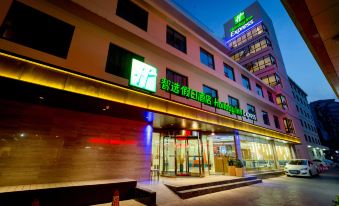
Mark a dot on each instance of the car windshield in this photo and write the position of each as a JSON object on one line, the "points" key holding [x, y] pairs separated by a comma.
{"points": [[298, 162]]}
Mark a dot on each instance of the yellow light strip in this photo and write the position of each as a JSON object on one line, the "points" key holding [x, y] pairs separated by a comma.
{"points": [[278, 135]]}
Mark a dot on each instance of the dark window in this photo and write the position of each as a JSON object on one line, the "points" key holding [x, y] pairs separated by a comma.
{"points": [[119, 61], [206, 58], [246, 82], [270, 96], [265, 118], [210, 91], [37, 30], [288, 125], [251, 109], [132, 13], [233, 102], [306, 138], [297, 108], [229, 72], [276, 122], [176, 39], [175, 77], [302, 123], [259, 90]]}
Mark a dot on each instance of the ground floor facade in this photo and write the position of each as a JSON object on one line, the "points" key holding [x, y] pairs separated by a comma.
{"points": [[193, 153], [57, 126]]}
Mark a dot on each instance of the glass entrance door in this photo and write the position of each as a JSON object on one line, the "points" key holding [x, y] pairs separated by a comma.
{"points": [[181, 155]]}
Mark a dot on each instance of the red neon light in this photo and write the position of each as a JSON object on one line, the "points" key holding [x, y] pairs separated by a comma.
{"points": [[111, 141]]}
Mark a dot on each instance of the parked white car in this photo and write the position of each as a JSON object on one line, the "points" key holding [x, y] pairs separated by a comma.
{"points": [[300, 167]]}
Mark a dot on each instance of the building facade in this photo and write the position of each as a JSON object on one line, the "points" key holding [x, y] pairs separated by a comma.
{"points": [[314, 145], [110, 89], [325, 114], [252, 42]]}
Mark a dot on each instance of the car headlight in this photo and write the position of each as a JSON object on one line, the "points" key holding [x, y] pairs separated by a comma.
{"points": [[304, 168]]}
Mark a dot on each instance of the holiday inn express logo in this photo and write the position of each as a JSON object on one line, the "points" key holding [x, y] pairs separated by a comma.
{"points": [[238, 18], [241, 22], [143, 76]]}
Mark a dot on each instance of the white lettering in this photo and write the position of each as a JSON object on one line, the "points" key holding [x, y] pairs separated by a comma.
{"points": [[242, 28]]}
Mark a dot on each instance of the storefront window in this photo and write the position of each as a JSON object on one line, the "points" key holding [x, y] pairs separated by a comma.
{"points": [[283, 153], [223, 150], [257, 153]]}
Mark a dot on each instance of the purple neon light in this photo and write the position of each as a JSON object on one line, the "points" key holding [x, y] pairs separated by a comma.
{"points": [[241, 33]]}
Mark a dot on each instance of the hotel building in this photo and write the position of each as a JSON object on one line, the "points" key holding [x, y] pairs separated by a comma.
{"points": [[252, 42], [107, 89], [311, 138]]}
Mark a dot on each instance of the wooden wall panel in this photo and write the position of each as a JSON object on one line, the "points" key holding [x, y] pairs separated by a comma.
{"points": [[55, 145]]}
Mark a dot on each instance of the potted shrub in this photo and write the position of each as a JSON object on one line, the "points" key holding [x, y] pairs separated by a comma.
{"points": [[231, 167], [239, 168]]}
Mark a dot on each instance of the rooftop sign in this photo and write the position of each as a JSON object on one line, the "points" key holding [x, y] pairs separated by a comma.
{"points": [[143, 76], [241, 22]]}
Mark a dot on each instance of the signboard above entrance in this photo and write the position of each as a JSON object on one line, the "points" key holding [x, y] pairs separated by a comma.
{"points": [[143, 76], [184, 91]]}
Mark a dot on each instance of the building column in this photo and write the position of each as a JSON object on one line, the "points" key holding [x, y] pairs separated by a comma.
{"points": [[236, 136], [276, 162]]}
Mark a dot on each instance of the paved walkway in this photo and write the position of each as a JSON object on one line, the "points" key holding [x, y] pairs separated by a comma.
{"points": [[288, 191]]}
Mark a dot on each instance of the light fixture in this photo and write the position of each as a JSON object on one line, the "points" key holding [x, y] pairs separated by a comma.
{"points": [[22, 135], [212, 133], [309, 146], [41, 97]]}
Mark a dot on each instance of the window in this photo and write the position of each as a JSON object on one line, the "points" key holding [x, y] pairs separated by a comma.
{"points": [[306, 138], [297, 108], [210, 91], [176, 39], [119, 61], [247, 36], [206, 58], [260, 63], [132, 13], [246, 82], [251, 49], [259, 90], [276, 122], [271, 80], [302, 123], [270, 96], [229, 72], [175, 77], [37, 30], [265, 118], [233, 101], [281, 101], [251, 109], [289, 128]]}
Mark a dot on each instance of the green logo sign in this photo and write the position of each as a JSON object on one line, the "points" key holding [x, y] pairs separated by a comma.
{"points": [[143, 76], [238, 18], [241, 22], [184, 91]]}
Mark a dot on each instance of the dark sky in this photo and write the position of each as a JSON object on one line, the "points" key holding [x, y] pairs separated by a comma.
{"points": [[299, 62]]}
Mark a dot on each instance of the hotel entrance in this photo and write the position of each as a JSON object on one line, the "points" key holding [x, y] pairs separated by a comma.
{"points": [[184, 154]]}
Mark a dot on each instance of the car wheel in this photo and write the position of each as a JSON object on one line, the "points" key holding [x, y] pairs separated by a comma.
{"points": [[310, 173]]}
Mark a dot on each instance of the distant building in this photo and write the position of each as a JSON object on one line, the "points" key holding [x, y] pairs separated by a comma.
{"points": [[251, 39], [326, 116], [311, 138]]}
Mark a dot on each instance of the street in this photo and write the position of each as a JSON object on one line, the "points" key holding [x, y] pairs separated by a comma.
{"points": [[282, 190]]}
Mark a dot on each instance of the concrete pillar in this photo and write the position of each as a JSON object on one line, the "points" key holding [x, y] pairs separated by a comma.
{"points": [[276, 162], [238, 154]]}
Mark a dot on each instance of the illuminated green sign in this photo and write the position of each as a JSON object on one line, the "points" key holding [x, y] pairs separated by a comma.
{"points": [[241, 22], [238, 18], [143, 76], [184, 91]]}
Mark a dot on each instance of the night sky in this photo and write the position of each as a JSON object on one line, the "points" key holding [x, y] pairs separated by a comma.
{"points": [[299, 62]]}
